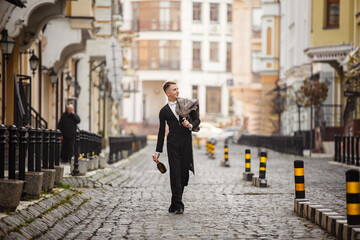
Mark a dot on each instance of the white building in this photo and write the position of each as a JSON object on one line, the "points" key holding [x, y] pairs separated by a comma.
{"points": [[294, 63], [183, 41]]}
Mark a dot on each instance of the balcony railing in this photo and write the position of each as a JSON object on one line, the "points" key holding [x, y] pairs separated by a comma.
{"points": [[156, 25], [157, 64], [196, 64]]}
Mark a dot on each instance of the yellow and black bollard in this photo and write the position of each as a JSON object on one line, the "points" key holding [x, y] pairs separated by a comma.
{"points": [[247, 175], [247, 160], [262, 170], [198, 143], [212, 149], [225, 163], [207, 148], [261, 180], [299, 179], [353, 197]]}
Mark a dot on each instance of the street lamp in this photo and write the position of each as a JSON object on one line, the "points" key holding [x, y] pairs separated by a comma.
{"points": [[53, 77], [7, 46], [34, 61], [68, 80]]}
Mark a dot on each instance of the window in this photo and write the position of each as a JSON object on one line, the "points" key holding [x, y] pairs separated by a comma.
{"points": [[197, 11], [269, 42], [195, 92], [213, 99], [196, 55], [156, 16], [229, 12], [332, 13], [155, 54], [228, 57], [214, 52], [214, 12]]}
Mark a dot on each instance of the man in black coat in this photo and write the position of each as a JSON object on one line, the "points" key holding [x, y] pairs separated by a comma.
{"points": [[67, 125], [179, 145]]}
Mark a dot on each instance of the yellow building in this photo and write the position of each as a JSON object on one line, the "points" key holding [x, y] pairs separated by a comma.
{"points": [[331, 40]]}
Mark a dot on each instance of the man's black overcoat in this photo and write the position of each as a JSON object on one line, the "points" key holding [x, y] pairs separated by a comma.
{"points": [[179, 142]]}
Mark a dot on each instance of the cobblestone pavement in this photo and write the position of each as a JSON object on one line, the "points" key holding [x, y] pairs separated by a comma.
{"points": [[133, 201]]}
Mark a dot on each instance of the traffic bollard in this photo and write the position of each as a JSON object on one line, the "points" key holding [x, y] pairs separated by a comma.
{"points": [[46, 143], [57, 147], [353, 197], [247, 175], [207, 147], [12, 150], [247, 160], [22, 152], [76, 171], [31, 149], [262, 170], [52, 148], [38, 150], [299, 179], [225, 163]]}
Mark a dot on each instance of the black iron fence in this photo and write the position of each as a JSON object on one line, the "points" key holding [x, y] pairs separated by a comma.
{"points": [[123, 146], [284, 144], [36, 147], [346, 149]]}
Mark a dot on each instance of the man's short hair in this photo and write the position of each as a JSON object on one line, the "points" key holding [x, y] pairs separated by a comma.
{"points": [[167, 85]]}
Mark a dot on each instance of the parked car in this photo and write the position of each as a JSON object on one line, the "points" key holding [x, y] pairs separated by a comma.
{"points": [[206, 130], [228, 134]]}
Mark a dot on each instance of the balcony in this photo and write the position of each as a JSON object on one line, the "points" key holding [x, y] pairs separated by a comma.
{"points": [[196, 65], [157, 64], [156, 25]]}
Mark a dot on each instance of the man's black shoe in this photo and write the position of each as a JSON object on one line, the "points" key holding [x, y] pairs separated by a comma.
{"points": [[179, 211], [171, 210]]}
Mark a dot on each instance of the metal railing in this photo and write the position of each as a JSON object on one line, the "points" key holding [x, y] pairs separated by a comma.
{"points": [[123, 146], [346, 149]]}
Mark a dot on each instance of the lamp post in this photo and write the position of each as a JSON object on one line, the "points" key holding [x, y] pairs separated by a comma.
{"points": [[68, 81], [7, 46], [53, 77], [34, 61]]}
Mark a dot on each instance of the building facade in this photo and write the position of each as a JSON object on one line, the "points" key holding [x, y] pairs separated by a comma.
{"points": [[188, 42], [256, 64]]}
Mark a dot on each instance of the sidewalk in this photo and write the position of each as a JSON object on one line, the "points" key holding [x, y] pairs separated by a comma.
{"points": [[130, 199]]}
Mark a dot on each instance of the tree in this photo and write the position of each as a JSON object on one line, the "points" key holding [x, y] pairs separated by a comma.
{"points": [[312, 94]]}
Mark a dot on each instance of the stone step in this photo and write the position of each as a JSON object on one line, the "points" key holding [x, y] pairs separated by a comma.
{"points": [[34, 221]]}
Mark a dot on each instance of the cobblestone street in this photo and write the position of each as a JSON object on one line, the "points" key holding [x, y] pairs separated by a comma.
{"points": [[134, 197]]}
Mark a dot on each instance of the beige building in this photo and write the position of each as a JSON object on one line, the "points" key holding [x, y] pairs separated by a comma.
{"points": [[255, 63]]}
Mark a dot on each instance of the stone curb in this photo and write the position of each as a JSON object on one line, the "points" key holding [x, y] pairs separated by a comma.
{"points": [[327, 219], [35, 220]]}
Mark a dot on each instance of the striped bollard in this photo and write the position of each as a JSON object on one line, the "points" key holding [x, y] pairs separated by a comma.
{"points": [[225, 163], [261, 181], [247, 175], [212, 150], [353, 197], [262, 170], [299, 179], [247, 160]]}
